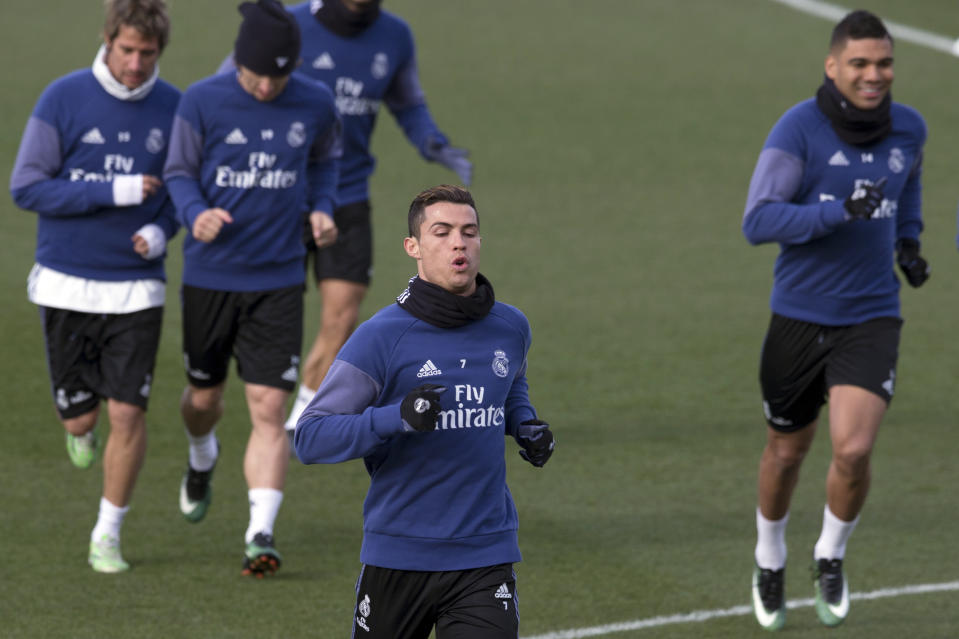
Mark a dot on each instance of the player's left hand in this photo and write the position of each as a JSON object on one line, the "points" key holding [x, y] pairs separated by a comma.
{"points": [[149, 241], [913, 266], [140, 245], [453, 158], [324, 229], [537, 441]]}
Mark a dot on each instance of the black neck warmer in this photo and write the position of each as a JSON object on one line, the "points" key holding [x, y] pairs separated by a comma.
{"points": [[437, 306], [852, 125], [334, 15]]}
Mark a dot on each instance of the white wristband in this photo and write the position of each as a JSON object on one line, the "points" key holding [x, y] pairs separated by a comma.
{"points": [[155, 238], [127, 189]]}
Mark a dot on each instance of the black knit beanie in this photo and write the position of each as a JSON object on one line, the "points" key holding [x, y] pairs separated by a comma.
{"points": [[269, 39]]}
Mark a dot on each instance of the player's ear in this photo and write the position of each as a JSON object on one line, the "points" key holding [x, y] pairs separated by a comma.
{"points": [[830, 66], [412, 246]]}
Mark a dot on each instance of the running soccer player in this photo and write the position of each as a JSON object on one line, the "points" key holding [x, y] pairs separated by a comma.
{"points": [[425, 392], [837, 186], [89, 166], [367, 57], [252, 150]]}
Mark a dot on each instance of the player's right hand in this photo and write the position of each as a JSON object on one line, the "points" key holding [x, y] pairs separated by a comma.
{"points": [[323, 228], [864, 200], [421, 408], [208, 224], [151, 184]]}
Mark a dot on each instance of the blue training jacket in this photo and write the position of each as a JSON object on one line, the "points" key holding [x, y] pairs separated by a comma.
{"points": [[77, 139], [832, 269], [438, 500], [377, 66], [266, 163]]}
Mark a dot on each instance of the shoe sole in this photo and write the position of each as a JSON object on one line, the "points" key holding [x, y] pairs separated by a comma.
{"points": [[831, 615], [263, 565], [108, 568]]}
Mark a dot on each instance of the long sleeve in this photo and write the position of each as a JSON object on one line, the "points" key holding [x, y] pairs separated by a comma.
{"points": [[34, 183], [407, 103], [339, 423], [770, 214], [323, 168], [909, 216], [182, 171], [518, 406]]}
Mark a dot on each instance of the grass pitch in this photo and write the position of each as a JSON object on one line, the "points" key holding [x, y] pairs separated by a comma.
{"points": [[613, 144]]}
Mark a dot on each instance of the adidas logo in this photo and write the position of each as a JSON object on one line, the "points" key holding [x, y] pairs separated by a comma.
{"points": [[502, 592], [281, 61], [93, 136], [890, 383], [290, 374], [429, 370], [236, 137], [838, 159], [323, 61]]}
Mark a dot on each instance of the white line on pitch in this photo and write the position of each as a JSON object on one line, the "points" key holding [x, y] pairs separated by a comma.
{"points": [[735, 611], [900, 31]]}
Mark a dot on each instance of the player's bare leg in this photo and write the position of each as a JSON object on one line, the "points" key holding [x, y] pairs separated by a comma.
{"points": [[264, 466]]}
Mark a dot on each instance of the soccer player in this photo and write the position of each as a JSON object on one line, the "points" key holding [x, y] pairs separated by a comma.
{"points": [[837, 185], [251, 151], [88, 165], [425, 392], [367, 57]]}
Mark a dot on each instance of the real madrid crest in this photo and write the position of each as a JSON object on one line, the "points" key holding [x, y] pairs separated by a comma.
{"points": [[897, 160], [155, 141], [296, 136], [500, 364], [380, 66]]}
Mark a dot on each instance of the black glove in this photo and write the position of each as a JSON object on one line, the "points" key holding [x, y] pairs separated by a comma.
{"points": [[452, 158], [913, 266], [864, 201], [537, 441], [421, 407]]}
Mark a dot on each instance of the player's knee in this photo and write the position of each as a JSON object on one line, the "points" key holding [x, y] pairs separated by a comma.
{"points": [[125, 417], [852, 460], [202, 400], [81, 424], [787, 455]]}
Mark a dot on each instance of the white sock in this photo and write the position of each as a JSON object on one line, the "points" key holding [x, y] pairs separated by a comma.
{"points": [[203, 451], [264, 506], [770, 542], [835, 534], [303, 397], [109, 520]]}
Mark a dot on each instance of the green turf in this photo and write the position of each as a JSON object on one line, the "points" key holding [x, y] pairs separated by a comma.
{"points": [[613, 142]]}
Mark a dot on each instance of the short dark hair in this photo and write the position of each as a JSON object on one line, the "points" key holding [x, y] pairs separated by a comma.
{"points": [[148, 17], [858, 25], [432, 195]]}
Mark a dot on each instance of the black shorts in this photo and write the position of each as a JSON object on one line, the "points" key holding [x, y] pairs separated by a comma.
{"points": [[351, 256], [463, 604], [263, 329], [801, 361], [95, 356]]}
